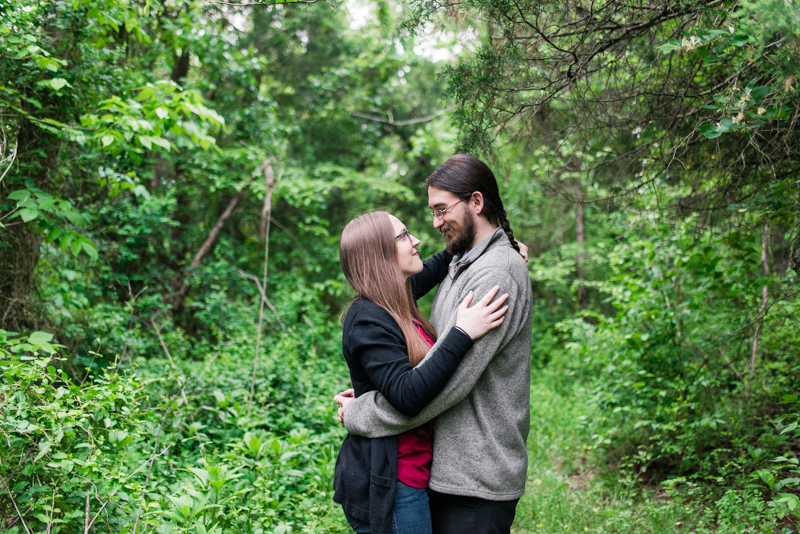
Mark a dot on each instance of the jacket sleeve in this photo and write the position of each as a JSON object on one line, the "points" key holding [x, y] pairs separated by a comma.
{"points": [[372, 416], [384, 358], [434, 269]]}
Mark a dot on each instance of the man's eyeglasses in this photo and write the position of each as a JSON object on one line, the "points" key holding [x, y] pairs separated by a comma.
{"points": [[438, 214], [402, 234]]}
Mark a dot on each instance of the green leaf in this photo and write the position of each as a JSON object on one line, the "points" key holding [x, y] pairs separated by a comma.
{"points": [[65, 242], [76, 247], [44, 448], [107, 140], [160, 141], [162, 113], [19, 195], [40, 338], [54, 234], [791, 500], [759, 93], [141, 191], [89, 249], [740, 39], [709, 131], [58, 83], [28, 214], [146, 93]]}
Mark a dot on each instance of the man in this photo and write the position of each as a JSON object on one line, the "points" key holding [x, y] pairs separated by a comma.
{"points": [[482, 417]]}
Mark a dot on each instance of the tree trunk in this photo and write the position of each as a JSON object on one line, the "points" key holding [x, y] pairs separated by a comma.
{"points": [[580, 237], [762, 310], [19, 244]]}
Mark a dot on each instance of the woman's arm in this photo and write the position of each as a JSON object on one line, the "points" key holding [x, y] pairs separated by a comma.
{"points": [[384, 358], [376, 342], [434, 269]]}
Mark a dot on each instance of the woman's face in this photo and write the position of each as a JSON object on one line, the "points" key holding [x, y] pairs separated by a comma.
{"points": [[407, 255]]}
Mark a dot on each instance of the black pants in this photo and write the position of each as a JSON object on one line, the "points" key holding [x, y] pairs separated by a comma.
{"points": [[455, 514]]}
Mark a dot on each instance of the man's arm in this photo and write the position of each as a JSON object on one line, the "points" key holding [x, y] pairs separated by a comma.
{"points": [[372, 416]]}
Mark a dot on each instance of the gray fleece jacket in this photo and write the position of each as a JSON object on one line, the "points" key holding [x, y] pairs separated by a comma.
{"points": [[482, 417]]}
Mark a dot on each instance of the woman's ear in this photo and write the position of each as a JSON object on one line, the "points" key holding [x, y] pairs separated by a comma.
{"points": [[476, 201]]}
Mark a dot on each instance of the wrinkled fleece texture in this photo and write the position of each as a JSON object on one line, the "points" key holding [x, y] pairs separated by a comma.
{"points": [[482, 417]]}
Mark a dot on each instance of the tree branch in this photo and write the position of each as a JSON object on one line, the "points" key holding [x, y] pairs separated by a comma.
{"points": [[405, 122]]}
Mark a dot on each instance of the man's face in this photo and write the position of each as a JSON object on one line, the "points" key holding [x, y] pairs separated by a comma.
{"points": [[458, 222]]}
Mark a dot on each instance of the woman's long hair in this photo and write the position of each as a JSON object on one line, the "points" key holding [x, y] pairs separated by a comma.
{"points": [[368, 254]]}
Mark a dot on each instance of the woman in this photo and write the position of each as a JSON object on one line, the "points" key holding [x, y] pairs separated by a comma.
{"points": [[381, 483]]}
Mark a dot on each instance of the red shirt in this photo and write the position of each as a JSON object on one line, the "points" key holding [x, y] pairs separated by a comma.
{"points": [[415, 449]]}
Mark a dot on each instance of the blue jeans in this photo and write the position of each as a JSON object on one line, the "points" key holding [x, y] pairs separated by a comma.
{"points": [[411, 513]]}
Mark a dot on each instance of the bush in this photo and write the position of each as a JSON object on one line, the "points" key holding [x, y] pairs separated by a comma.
{"points": [[174, 448]]}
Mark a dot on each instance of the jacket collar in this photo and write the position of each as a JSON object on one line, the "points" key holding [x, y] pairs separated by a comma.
{"points": [[497, 239]]}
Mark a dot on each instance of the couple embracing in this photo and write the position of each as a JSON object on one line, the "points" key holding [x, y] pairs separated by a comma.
{"points": [[439, 412]]}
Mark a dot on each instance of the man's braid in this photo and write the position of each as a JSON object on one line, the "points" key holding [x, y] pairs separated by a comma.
{"points": [[503, 221]]}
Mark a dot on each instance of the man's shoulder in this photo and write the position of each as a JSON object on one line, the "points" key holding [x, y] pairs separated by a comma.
{"points": [[502, 259]]}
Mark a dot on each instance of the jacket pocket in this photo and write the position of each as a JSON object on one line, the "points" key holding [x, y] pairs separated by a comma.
{"points": [[381, 503]]}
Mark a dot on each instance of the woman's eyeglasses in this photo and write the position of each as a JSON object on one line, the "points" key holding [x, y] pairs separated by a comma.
{"points": [[404, 233]]}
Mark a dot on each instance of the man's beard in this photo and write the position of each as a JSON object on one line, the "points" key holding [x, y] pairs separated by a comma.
{"points": [[459, 241]]}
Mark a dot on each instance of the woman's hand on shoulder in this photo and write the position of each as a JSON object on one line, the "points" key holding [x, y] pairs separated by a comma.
{"points": [[523, 251], [483, 316]]}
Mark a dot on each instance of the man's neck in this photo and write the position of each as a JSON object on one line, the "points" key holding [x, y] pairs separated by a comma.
{"points": [[484, 230]]}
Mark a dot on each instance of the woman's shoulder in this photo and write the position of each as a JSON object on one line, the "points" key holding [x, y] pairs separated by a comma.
{"points": [[365, 312], [367, 322], [364, 309]]}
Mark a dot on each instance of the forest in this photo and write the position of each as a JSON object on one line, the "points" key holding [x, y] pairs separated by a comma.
{"points": [[175, 176]]}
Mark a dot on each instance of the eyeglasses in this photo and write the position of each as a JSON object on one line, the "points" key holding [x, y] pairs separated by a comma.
{"points": [[404, 233], [438, 214]]}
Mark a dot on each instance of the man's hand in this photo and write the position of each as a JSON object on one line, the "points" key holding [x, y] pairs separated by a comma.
{"points": [[523, 251], [342, 399]]}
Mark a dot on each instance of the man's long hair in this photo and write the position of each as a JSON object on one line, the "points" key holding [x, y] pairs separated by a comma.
{"points": [[368, 254], [463, 175]]}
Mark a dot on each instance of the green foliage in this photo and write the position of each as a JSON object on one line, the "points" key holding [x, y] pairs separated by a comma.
{"points": [[125, 445], [648, 161]]}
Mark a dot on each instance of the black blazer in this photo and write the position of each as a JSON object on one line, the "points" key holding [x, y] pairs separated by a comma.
{"points": [[374, 347]]}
